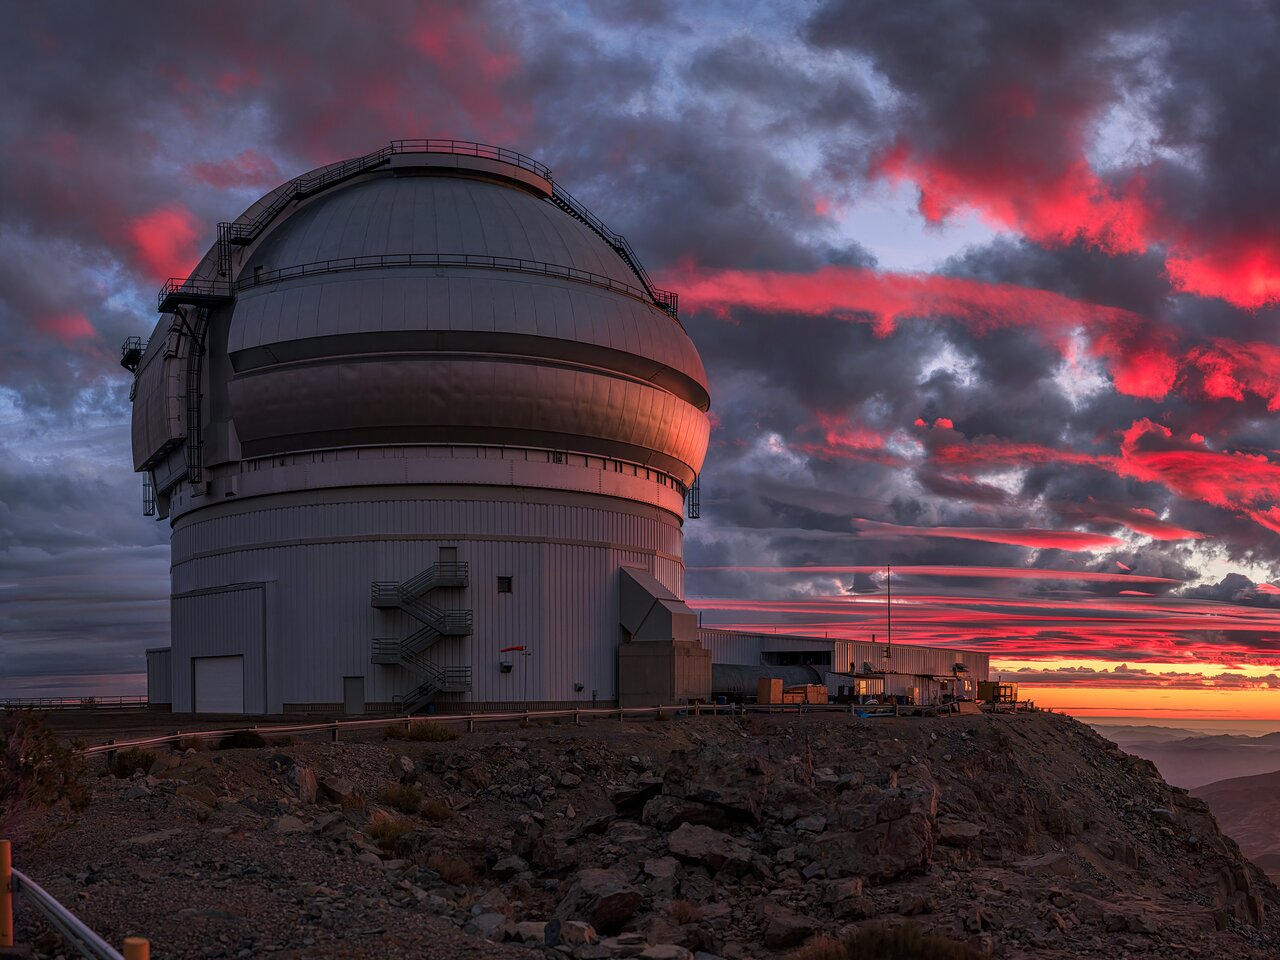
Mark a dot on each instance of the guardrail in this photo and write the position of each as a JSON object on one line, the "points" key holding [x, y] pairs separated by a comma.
{"points": [[72, 703], [469, 720], [74, 930]]}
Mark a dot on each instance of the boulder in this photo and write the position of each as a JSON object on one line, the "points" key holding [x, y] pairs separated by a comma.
{"points": [[198, 793], [715, 850], [489, 926], [338, 790], [569, 933], [958, 834], [288, 824], [625, 945], [883, 852], [601, 896], [530, 931], [666, 813], [303, 781], [710, 776], [814, 823], [509, 867], [784, 927]]}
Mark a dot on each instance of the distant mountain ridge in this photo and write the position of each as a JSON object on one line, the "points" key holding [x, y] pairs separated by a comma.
{"points": [[1248, 810], [1190, 760]]}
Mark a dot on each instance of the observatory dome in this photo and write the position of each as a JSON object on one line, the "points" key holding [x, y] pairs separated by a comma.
{"points": [[428, 358]]}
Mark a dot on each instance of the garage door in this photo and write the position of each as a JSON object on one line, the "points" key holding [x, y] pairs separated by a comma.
{"points": [[219, 683]]}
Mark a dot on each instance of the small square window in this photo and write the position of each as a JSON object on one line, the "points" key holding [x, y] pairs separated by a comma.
{"points": [[504, 584]]}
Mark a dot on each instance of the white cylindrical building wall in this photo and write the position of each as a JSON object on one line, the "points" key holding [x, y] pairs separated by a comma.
{"points": [[314, 555]]}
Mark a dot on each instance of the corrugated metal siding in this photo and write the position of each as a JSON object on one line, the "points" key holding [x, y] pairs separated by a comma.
{"points": [[222, 622], [846, 655], [321, 557], [159, 671]]}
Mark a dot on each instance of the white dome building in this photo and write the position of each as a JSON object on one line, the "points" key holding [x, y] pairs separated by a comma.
{"points": [[423, 431]]}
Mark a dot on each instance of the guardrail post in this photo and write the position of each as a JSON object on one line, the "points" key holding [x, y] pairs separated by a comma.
{"points": [[577, 717], [111, 754], [335, 731], [471, 724], [137, 948], [6, 895]]}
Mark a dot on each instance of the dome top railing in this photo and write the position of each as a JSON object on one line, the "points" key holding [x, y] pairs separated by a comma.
{"points": [[204, 291], [208, 292]]}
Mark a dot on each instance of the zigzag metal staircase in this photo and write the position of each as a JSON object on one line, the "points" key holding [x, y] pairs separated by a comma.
{"points": [[436, 623]]}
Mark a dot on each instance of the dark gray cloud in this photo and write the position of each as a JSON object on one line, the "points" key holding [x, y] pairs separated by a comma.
{"points": [[715, 143]]}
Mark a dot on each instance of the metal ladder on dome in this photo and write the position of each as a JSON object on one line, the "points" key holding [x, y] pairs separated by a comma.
{"points": [[409, 651], [666, 299]]}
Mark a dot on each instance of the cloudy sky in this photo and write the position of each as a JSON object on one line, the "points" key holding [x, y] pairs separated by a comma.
{"points": [[985, 290]]}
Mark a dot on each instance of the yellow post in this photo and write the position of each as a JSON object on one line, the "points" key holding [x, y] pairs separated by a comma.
{"points": [[137, 948], [6, 895]]}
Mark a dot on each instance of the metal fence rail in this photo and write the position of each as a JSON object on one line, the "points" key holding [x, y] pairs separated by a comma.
{"points": [[73, 930], [469, 720], [71, 703]]}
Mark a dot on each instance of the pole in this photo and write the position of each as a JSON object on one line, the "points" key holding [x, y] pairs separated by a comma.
{"points": [[6, 895], [136, 948], [888, 607]]}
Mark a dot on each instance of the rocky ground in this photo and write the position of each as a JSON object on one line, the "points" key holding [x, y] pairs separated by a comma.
{"points": [[1026, 836]]}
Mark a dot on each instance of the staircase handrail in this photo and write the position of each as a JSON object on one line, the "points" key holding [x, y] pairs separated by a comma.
{"points": [[424, 582]]}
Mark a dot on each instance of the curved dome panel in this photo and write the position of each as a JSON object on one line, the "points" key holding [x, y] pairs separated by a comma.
{"points": [[467, 399], [408, 214], [305, 319]]}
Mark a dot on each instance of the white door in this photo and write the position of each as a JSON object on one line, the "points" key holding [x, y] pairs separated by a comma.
{"points": [[219, 683]]}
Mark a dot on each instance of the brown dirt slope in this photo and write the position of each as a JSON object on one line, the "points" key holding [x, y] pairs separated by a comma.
{"points": [[1026, 836]]}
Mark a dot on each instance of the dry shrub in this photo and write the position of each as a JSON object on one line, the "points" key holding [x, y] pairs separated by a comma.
{"points": [[36, 768], [199, 744], [402, 796], [883, 942], [437, 810], [128, 762], [453, 871], [685, 911], [385, 829], [203, 813], [242, 739], [353, 801], [285, 741]]}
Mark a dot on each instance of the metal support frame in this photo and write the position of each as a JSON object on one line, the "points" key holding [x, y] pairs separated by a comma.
{"points": [[694, 511], [148, 495]]}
